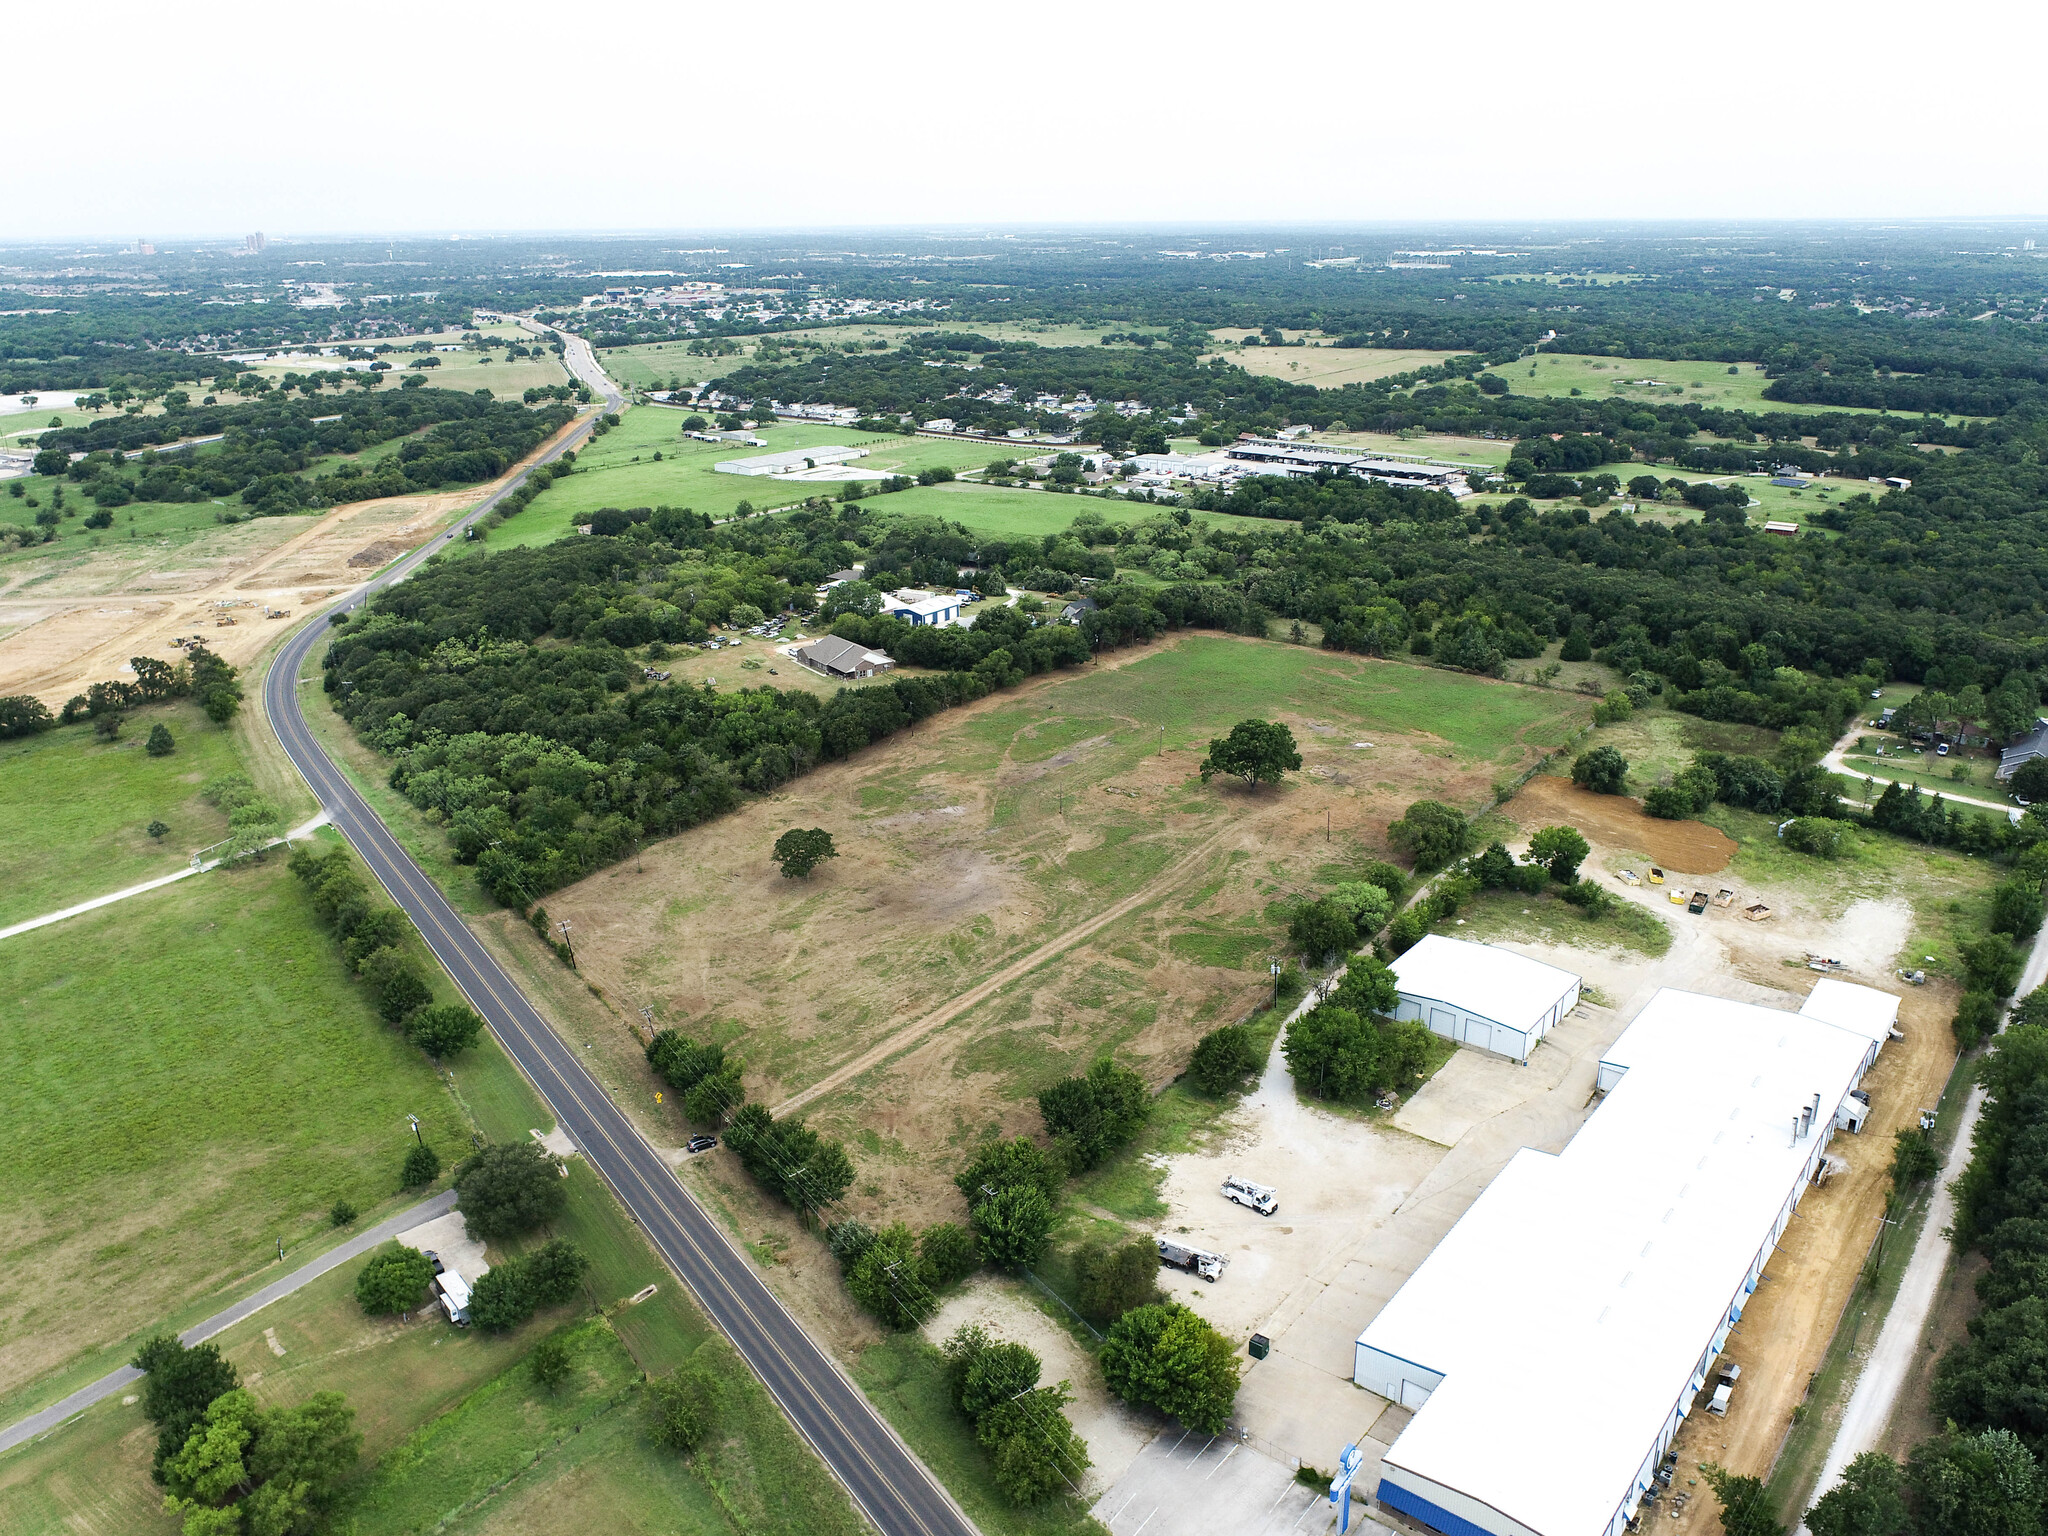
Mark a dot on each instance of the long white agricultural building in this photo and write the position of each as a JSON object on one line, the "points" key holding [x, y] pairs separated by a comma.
{"points": [[790, 460], [1558, 1335], [1479, 995]]}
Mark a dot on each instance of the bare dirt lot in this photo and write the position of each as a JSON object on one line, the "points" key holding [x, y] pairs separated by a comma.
{"points": [[1618, 822], [80, 623]]}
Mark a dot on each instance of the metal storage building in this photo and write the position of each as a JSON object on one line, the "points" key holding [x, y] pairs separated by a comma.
{"points": [[790, 460], [1478, 995], [1644, 1240]]}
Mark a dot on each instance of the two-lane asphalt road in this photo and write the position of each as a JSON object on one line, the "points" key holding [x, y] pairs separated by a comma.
{"points": [[890, 1485]]}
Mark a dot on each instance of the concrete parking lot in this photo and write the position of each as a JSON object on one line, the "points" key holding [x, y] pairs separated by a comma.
{"points": [[1185, 1481]]}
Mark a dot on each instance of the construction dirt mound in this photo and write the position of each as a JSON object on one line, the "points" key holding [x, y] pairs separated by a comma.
{"points": [[1690, 847], [383, 552]]}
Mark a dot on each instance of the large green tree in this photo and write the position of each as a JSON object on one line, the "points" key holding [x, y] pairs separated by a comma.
{"points": [[1870, 1500], [1256, 751], [178, 1383], [799, 851], [394, 1280], [1167, 1356], [1602, 769], [1223, 1059], [508, 1189], [1430, 833], [264, 1472], [1092, 1115]]}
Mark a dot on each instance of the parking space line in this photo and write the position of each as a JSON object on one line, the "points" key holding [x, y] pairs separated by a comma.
{"points": [[1221, 1464], [1148, 1520], [1127, 1503]]}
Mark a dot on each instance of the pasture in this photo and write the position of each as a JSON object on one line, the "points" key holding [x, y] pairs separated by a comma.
{"points": [[78, 808], [192, 1076], [1005, 513], [1061, 828], [1328, 366], [1730, 386], [652, 365], [619, 470]]}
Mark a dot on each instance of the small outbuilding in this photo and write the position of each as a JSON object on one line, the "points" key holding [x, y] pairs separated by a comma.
{"points": [[1482, 996]]}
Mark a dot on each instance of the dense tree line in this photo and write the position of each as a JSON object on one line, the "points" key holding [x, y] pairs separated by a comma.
{"points": [[269, 442]]}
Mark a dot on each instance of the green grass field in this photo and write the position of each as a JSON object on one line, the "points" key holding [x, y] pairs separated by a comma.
{"points": [[1327, 366], [1732, 386], [79, 808], [445, 1413], [1206, 684], [1546, 920], [1004, 512], [619, 470], [195, 1077]]}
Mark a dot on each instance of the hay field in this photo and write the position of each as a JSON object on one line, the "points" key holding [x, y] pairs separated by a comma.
{"points": [[1328, 366], [1059, 831]]}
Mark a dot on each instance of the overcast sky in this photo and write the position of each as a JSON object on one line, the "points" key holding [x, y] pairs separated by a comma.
{"points": [[175, 121]]}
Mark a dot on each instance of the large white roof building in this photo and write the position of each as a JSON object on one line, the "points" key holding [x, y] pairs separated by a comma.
{"points": [[1479, 995], [1558, 1335]]}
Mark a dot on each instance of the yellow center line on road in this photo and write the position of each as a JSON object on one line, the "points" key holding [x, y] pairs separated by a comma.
{"points": [[479, 978]]}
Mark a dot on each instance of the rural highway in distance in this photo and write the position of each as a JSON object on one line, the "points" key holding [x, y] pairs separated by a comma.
{"points": [[889, 1484]]}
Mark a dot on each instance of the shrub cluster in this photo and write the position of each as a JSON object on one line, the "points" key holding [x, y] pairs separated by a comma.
{"points": [[1023, 1426]]}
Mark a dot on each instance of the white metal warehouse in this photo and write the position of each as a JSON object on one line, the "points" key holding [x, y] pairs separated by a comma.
{"points": [[790, 460], [1559, 1334], [1478, 995]]}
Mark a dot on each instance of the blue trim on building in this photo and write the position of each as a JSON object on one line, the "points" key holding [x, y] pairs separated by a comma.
{"points": [[1416, 1507]]}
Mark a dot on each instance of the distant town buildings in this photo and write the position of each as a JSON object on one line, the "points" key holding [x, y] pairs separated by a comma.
{"points": [[255, 243]]}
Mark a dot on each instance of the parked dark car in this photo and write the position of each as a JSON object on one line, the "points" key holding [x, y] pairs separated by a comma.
{"points": [[700, 1143]]}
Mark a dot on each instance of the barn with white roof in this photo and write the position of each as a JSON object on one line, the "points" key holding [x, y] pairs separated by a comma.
{"points": [[1478, 995], [1639, 1246]]}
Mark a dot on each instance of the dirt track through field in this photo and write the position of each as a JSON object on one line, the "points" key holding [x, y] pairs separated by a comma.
{"points": [[1689, 847], [911, 1034]]}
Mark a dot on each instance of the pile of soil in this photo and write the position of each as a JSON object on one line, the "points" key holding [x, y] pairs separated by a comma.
{"points": [[380, 553], [1689, 847]]}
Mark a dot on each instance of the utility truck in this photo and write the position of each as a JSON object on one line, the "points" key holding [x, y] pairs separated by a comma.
{"points": [[1260, 1197], [1195, 1261]]}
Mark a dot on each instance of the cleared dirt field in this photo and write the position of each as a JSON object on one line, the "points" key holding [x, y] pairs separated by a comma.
{"points": [[1616, 821], [1029, 882], [77, 618]]}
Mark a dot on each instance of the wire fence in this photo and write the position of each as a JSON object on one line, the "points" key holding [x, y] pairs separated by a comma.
{"points": [[477, 1501]]}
